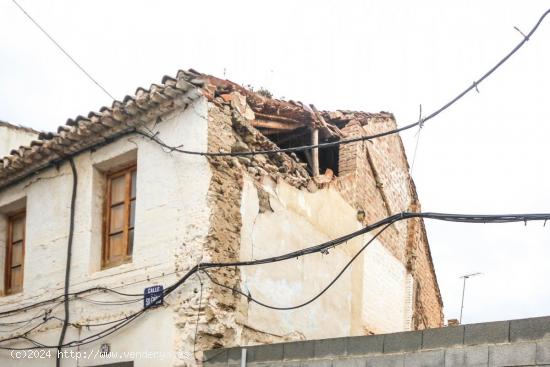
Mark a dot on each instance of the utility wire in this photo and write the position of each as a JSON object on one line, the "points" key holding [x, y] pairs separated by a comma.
{"points": [[314, 298], [420, 126], [77, 296], [198, 319], [60, 298], [323, 247], [63, 50], [419, 122], [68, 261], [333, 243]]}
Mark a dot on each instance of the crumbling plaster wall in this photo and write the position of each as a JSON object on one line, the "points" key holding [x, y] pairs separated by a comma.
{"points": [[369, 297], [268, 205], [172, 221]]}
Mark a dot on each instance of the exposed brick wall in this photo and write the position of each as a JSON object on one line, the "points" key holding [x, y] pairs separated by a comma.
{"points": [[365, 190], [428, 310], [374, 178]]}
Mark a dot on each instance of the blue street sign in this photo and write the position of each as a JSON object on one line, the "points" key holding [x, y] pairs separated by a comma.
{"points": [[153, 296]]}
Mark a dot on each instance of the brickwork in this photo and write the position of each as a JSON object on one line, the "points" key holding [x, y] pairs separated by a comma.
{"points": [[374, 178]]}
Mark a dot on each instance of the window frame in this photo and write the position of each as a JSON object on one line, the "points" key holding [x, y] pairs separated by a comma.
{"points": [[126, 171], [8, 289]]}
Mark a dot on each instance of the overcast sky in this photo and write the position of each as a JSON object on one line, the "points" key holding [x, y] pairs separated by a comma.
{"points": [[487, 154]]}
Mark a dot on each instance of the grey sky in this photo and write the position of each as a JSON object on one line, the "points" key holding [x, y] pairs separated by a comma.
{"points": [[487, 154]]}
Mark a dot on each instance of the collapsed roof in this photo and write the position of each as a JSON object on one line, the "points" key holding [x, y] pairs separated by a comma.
{"points": [[272, 118]]}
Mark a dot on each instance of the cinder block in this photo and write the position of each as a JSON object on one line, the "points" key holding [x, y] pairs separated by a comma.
{"points": [[530, 329], [317, 363], [330, 347], [349, 362], [409, 341], [449, 336], [477, 356], [519, 354], [389, 360], [272, 364], [234, 355], [543, 352], [489, 332], [361, 345], [299, 350], [435, 358], [215, 356], [266, 352]]}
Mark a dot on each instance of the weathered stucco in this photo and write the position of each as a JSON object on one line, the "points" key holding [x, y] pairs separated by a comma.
{"points": [[370, 295], [172, 221]]}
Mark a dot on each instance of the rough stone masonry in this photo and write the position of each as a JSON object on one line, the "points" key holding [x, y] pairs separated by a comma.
{"points": [[373, 178]]}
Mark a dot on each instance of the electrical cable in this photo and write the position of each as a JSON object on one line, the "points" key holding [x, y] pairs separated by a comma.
{"points": [[44, 314], [198, 318], [314, 298], [468, 218], [68, 264], [109, 303], [420, 126], [463, 218], [419, 122], [38, 316], [45, 320], [63, 50], [75, 295]]}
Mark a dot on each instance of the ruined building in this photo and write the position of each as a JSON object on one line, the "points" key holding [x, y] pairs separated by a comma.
{"points": [[144, 213]]}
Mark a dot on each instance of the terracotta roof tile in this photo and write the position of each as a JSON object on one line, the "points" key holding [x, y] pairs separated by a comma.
{"points": [[122, 117], [85, 132]]}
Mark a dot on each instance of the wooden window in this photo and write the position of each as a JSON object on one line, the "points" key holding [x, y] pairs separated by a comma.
{"points": [[15, 254], [119, 216]]}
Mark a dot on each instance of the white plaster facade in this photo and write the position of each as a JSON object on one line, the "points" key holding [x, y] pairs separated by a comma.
{"points": [[171, 223]]}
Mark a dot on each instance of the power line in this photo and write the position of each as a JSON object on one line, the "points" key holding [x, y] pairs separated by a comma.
{"points": [[419, 122], [323, 247], [68, 261], [314, 298], [198, 319], [63, 50], [59, 298], [76, 296], [420, 126]]}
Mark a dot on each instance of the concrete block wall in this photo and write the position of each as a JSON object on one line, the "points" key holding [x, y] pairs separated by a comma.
{"points": [[524, 342]]}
